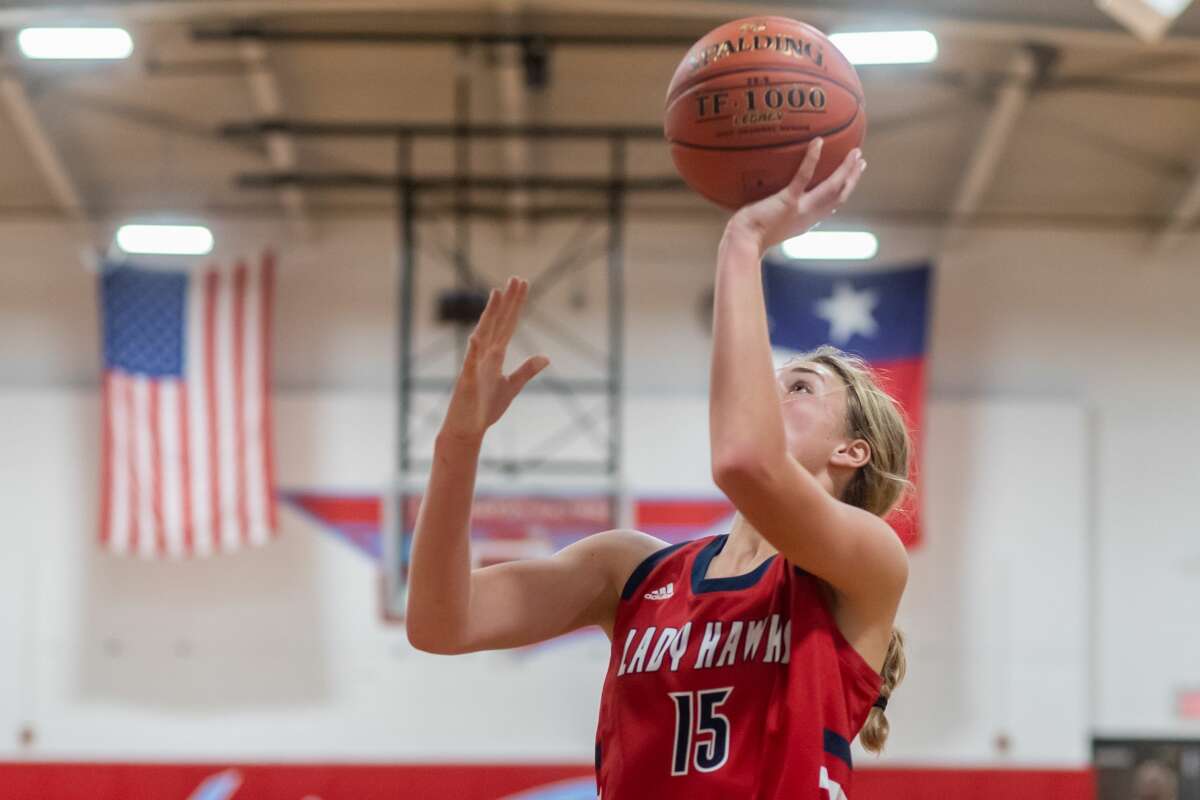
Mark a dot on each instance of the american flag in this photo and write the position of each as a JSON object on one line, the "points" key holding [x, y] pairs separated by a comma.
{"points": [[187, 463]]}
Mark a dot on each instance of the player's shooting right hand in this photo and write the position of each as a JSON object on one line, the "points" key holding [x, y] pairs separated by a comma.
{"points": [[483, 392], [795, 209]]}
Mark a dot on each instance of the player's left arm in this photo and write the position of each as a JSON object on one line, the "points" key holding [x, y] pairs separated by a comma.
{"points": [[850, 548]]}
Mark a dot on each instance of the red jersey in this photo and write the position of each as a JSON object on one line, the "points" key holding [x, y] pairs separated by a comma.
{"points": [[739, 687]]}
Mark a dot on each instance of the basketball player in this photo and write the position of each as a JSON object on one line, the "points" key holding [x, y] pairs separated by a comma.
{"points": [[743, 664]]}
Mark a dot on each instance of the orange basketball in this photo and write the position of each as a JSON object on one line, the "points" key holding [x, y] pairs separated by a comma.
{"points": [[749, 97]]}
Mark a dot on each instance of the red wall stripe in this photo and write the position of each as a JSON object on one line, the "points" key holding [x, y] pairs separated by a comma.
{"points": [[131, 427], [210, 400], [160, 534], [975, 784], [106, 458], [185, 470], [76, 781], [266, 294], [239, 401]]}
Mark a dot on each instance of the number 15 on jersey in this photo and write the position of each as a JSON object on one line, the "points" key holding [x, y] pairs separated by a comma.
{"points": [[701, 731]]}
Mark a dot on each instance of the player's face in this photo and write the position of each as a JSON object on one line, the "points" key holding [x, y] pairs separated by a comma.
{"points": [[814, 412]]}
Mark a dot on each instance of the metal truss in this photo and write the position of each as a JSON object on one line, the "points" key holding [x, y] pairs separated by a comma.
{"points": [[422, 201]]}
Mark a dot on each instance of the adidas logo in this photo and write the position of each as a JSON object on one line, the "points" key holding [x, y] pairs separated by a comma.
{"points": [[661, 593]]}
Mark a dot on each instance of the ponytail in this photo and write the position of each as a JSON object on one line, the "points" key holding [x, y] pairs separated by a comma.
{"points": [[874, 733]]}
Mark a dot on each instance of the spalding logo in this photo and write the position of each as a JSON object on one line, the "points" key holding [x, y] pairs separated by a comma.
{"points": [[787, 45]]}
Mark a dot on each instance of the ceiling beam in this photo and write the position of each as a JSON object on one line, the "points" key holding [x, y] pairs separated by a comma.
{"points": [[824, 13], [1010, 102], [944, 28], [435, 130], [41, 147], [364, 180], [1182, 217], [281, 148], [880, 16], [43, 12], [688, 206]]}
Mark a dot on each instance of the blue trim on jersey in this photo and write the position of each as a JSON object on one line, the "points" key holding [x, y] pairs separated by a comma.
{"points": [[701, 584], [836, 745], [642, 570]]}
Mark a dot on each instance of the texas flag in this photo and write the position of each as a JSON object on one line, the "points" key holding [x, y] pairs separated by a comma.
{"points": [[878, 314]]}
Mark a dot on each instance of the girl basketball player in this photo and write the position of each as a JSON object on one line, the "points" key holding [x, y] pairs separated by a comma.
{"points": [[742, 665]]}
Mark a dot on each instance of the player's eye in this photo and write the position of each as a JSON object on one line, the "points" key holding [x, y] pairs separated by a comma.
{"points": [[801, 386]]}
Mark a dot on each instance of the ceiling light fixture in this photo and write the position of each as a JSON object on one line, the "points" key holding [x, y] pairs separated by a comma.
{"points": [[75, 43], [168, 240], [887, 47], [831, 246]]}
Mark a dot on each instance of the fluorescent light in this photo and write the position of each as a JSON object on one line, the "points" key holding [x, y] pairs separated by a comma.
{"points": [[78, 43], [169, 240], [1149, 19], [1171, 7], [832, 246], [887, 47]]}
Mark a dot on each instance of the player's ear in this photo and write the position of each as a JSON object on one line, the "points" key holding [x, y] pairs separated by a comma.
{"points": [[851, 454]]}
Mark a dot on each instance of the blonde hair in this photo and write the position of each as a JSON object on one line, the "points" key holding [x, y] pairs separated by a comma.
{"points": [[875, 730], [871, 415], [877, 486]]}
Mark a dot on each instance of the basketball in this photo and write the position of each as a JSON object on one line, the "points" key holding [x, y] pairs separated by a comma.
{"points": [[748, 98]]}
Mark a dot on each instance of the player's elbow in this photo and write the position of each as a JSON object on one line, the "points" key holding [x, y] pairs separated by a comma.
{"points": [[736, 473], [432, 638]]}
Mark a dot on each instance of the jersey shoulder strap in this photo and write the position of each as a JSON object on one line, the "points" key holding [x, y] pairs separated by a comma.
{"points": [[642, 571]]}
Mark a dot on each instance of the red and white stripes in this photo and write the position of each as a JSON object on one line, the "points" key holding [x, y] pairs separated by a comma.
{"points": [[188, 463]]}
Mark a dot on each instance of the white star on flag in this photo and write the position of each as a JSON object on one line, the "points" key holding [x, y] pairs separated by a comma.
{"points": [[849, 312]]}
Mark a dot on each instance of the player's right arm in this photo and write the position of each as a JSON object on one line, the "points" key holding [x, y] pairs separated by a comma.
{"points": [[523, 602], [454, 609]]}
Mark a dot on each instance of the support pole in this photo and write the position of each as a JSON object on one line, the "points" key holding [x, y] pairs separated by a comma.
{"points": [[405, 308], [616, 318]]}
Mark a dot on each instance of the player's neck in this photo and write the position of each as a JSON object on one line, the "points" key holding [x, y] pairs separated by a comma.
{"points": [[744, 550]]}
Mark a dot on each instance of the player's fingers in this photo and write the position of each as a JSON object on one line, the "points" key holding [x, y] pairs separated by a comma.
{"points": [[852, 182], [503, 305], [517, 291], [527, 372], [473, 346], [825, 193], [808, 167], [845, 170], [487, 319]]}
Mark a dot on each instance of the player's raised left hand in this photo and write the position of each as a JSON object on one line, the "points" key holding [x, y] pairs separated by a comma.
{"points": [[793, 210], [483, 392]]}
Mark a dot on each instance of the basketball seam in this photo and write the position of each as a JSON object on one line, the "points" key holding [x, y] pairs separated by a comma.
{"points": [[672, 97], [771, 145]]}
